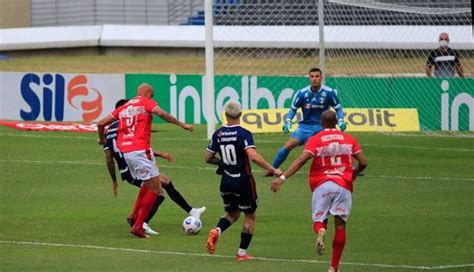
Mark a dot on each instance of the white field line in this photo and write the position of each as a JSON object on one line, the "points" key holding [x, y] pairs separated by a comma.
{"points": [[413, 267], [169, 166], [93, 139]]}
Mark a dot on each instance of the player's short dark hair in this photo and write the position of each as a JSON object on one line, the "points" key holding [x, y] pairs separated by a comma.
{"points": [[315, 69], [121, 102]]}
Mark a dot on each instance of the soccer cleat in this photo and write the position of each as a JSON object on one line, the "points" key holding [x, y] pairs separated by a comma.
{"points": [[212, 240], [332, 269], [149, 230], [131, 220], [196, 212], [243, 258], [320, 242], [139, 232]]}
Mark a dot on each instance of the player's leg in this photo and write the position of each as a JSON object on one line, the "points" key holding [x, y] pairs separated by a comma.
{"points": [[142, 166], [248, 205], [154, 192], [230, 200], [320, 205], [246, 237], [176, 196], [340, 208], [338, 242]]}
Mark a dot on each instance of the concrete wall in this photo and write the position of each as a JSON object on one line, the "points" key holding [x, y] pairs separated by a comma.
{"points": [[14, 13]]}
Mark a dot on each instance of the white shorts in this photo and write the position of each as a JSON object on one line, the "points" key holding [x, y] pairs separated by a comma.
{"points": [[141, 167], [331, 198]]}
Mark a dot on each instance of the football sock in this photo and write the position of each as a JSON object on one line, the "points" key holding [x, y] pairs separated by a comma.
{"points": [[242, 252], [154, 209], [223, 224], [280, 157], [245, 239], [338, 246], [138, 201], [147, 204], [318, 225], [177, 197]]}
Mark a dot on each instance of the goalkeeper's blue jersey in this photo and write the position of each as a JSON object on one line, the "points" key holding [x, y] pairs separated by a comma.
{"points": [[313, 104]]}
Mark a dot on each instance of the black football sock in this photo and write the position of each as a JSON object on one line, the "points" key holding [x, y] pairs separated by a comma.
{"points": [[177, 197], [223, 224], [154, 209], [245, 239]]}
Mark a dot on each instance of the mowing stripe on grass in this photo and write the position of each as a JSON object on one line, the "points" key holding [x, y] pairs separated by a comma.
{"points": [[413, 267], [165, 166]]}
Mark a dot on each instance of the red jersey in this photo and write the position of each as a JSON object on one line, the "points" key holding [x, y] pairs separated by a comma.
{"points": [[134, 129], [332, 151]]}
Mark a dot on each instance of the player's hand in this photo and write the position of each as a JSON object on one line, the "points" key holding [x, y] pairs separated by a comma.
{"points": [[342, 125], [115, 188], [101, 141], [168, 157], [287, 126], [276, 184], [277, 172], [189, 128]]}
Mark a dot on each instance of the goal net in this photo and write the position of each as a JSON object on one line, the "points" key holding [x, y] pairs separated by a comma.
{"points": [[374, 52]]}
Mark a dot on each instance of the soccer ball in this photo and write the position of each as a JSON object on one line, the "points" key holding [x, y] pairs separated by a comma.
{"points": [[192, 225]]}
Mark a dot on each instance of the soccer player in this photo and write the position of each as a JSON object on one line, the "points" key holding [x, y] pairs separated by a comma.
{"points": [[330, 178], [112, 153], [313, 101], [235, 147], [133, 140]]}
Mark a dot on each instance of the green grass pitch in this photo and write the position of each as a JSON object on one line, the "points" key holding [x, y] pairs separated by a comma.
{"points": [[412, 211]]}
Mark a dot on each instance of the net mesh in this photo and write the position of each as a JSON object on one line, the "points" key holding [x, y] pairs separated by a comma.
{"points": [[375, 54]]}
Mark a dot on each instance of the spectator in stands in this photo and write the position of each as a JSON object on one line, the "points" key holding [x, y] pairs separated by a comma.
{"points": [[444, 59]]}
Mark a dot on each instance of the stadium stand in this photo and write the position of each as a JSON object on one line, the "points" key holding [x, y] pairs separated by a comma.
{"points": [[276, 12]]}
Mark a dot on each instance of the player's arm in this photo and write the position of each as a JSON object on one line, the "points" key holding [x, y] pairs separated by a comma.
{"points": [[429, 65], [458, 66], [362, 164], [170, 119], [294, 167], [291, 113], [165, 155], [109, 161], [211, 158], [336, 105], [260, 161], [101, 128]]}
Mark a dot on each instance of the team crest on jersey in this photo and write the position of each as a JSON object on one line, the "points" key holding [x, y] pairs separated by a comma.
{"points": [[323, 94]]}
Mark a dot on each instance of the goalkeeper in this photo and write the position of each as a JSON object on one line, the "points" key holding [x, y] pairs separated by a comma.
{"points": [[313, 101]]}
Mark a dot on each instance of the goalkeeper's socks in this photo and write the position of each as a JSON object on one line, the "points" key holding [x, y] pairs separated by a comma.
{"points": [[138, 201], [338, 246], [223, 224], [154, 209], [280, 157], [177, 197]]}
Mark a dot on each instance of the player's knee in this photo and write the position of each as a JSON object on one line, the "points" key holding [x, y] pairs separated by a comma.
{"points": [[248, 226]]}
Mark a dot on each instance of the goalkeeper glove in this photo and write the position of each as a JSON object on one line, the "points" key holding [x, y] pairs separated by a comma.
{"points": [[287, 126], [342, 125]]}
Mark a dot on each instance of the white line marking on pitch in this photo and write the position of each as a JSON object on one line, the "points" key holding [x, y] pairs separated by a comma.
{"points": [[167, 166], [415, 267]]}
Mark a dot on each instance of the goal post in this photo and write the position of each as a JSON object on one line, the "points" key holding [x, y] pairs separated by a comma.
{"points": [[373, 52]]}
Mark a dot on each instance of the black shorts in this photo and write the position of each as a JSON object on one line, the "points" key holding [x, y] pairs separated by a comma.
{"points": [[239, 194], [127, 176]]}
